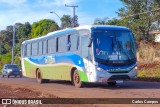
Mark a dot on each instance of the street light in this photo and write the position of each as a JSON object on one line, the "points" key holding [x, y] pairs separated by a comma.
{"points": [[73, 13], [56, 15]]}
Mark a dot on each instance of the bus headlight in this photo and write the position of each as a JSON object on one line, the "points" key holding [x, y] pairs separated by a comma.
{"points": [[100, 69], [136, 68]]}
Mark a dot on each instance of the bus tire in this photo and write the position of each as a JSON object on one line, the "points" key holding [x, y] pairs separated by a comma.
{"points": [[39, 77], [76, 80], [113, 83]]}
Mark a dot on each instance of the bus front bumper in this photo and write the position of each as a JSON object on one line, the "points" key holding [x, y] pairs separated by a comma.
{"points": [[106, 76]]}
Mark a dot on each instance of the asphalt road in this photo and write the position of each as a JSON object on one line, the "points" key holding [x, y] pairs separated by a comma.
{"points": [[65, 89]]}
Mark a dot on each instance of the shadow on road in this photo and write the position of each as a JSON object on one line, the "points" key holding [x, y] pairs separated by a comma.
{"points": [[125, 85], [61, 82]]}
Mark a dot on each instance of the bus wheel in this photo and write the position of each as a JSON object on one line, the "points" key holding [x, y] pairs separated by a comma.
{"points": [[39, 77], [76, 79], [112, 83]]}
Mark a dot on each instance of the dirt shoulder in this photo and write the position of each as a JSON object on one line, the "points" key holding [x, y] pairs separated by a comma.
{"points": [[16, 92]]}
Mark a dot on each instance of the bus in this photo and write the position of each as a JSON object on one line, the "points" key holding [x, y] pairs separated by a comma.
{"points": [[92, 53]]}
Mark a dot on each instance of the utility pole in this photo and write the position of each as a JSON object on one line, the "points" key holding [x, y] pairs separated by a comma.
{"points": [[13, 43], [73, 13], [0, 44]]}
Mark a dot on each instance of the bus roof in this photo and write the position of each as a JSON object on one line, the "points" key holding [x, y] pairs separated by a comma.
{"points": [[69, 30], [107, 27], [54, 33]]}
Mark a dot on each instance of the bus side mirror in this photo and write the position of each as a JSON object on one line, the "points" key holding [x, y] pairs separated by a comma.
{"points": [[90, 42]]}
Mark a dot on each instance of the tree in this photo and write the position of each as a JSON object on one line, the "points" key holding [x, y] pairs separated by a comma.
{"points": [[5, 59], [75, 21], [107, 21], [99, 21], [43, 27], [6, 43], [66, 21], [24, 31], [141, 24]]}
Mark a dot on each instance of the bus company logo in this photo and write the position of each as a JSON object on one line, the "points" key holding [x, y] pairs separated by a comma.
{"points": [[101, 52], [49, 60], [6, 101]]}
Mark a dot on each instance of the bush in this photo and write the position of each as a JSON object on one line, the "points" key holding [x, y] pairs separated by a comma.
{"points": [[148, 52], [5, 59]]}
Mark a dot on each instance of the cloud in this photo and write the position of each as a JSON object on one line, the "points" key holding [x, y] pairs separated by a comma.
{"points": [[56, 3], [37, 10], [13, 2]]}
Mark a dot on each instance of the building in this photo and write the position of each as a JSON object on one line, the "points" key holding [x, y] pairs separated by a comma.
{"points": [[156, 35]]}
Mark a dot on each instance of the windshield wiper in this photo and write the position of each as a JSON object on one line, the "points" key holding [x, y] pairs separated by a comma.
{"points": [[119, 46]]}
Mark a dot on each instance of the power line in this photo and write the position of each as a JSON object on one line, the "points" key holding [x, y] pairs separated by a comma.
{"points": [[141, 13]]}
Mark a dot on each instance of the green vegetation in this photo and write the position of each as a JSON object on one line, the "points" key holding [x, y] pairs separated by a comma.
{"points": [[43, 27], [140, 24], [23, 32], [67, 21], [4, 59]]}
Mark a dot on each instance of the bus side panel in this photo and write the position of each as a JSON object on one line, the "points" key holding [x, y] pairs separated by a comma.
{"points": [[29, 69], [55, 66], [49, 71], [56, 71]]}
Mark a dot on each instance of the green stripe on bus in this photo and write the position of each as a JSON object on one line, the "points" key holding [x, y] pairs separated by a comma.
{"points": [[59, 72], [83, 76]]}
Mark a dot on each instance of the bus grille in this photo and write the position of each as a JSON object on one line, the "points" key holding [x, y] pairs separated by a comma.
{"points": [[119, 77]]}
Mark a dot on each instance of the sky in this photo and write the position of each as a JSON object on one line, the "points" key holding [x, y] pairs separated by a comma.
{"points": [[13, 11]]}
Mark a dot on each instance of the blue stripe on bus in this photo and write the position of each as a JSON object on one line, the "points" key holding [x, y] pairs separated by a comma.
{"points": [[115, 67], [59, 58]]}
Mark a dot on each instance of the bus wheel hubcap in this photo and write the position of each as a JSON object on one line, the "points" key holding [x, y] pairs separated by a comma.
{"points": [[76, 78]]}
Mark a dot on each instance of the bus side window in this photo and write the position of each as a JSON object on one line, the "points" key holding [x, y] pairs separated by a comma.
{"points": [[29, 49], [74, 42], [34, 49], [62, 41], [77, 43], [57, 44], [84, 47], [40, 48], [52, 45], [44, 47], [25, 50], [68, 42]]}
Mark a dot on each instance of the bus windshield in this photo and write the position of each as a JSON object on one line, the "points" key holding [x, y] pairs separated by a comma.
{"points": [[114, 47]]}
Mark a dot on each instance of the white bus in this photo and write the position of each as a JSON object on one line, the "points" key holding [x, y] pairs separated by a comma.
{"points": [[96, 53]]}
